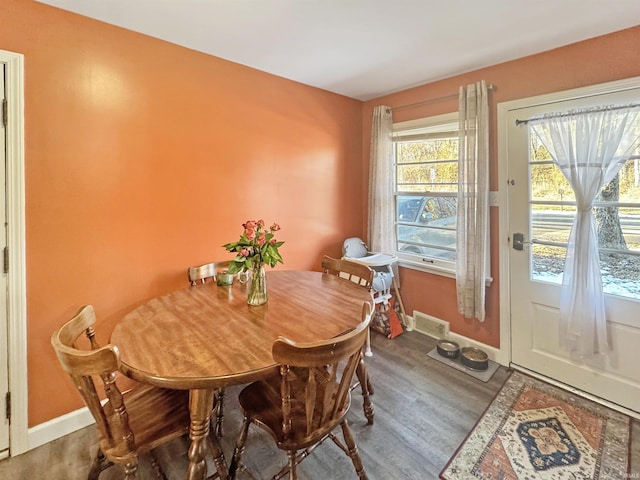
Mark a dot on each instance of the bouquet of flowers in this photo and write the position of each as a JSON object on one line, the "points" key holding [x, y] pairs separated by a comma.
{"points": [[257, 246]]}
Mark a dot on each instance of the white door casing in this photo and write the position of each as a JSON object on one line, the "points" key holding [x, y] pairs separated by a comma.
{"points": [[531, 308], [16, 320], [4, 357]]}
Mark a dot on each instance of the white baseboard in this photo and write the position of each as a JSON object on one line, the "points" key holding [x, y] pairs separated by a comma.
{"points": [[59, 427]]}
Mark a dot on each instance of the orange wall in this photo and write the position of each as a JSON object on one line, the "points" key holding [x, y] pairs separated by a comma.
{"points": [[143, 158], [603, 59]]}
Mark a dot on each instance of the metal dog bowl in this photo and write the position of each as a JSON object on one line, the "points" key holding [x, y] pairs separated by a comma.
{"points": [[474, 358], [448, 349]]}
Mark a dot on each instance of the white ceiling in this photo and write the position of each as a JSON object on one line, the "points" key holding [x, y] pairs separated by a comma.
{"points": [[365, 48]]}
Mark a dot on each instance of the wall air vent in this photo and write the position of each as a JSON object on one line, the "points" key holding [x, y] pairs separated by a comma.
{"points": [[432, 326]]}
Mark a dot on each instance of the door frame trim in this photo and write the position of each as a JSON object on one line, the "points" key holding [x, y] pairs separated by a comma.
{"points": [[504, 108], [16, 240]]}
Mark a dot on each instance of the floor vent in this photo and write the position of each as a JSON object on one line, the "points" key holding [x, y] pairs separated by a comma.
{"points": [[432, 326]]}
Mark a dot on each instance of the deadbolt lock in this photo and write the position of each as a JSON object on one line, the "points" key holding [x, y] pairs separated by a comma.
{"points": [[518, 241]]}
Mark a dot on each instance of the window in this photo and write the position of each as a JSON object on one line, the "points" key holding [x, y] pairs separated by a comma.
{"points": [[617, 212], [426, 179]]}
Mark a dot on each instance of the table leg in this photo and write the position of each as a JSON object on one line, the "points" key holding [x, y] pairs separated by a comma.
{"points": [[200, 406]]}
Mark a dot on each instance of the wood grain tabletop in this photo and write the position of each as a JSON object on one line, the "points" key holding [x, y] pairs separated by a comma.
{"points": [[206, 336]]}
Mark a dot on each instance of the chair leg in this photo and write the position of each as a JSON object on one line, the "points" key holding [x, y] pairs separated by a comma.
{"points": [[293, 474], [155, 466], [352, 450], [219, 411], [369, 384], [365, 385], [239, 450], [218, 458], [100, 463], [130, 470]]}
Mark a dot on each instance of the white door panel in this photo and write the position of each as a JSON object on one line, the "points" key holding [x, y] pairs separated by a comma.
{"points": [[534, 304]]}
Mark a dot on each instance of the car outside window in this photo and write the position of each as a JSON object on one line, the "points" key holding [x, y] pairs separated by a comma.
{"points": [[426, 178]]}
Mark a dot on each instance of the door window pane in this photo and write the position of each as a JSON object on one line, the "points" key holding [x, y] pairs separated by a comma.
{"points": [[617, 213]]}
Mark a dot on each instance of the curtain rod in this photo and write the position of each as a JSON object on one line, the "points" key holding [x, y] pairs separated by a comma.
{"points": [[578, 112], [490, 87]]}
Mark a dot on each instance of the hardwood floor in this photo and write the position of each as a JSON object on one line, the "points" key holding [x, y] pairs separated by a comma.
{"points": [[423, 411]]}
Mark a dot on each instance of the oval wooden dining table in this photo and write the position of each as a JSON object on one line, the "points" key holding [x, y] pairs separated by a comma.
{"points": [[206, 336]]}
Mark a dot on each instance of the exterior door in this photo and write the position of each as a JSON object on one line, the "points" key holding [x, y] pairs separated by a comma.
{"points": [[4, 330], [541, 207]]}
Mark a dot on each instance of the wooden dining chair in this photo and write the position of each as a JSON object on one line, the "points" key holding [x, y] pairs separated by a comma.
{"points": [[130, 423], [302, 405], [362, 275], [206, 271], [197, 275], [356, 272]]}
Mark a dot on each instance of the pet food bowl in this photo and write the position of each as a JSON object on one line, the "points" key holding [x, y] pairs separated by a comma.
{"points": [[474, 358], [448, 349]]}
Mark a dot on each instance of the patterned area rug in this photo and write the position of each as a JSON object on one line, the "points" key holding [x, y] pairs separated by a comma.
{"points": [[535, 431]]}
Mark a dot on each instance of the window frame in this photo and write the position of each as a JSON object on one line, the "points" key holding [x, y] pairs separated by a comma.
{"points": [[413, 129]]}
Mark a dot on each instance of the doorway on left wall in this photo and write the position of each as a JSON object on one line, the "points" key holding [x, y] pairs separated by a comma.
{"points": [[14, 430]]}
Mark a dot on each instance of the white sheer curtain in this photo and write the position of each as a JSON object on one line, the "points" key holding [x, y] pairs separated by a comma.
{"points": [[589, 147], [381, 183], [472, 245]]}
